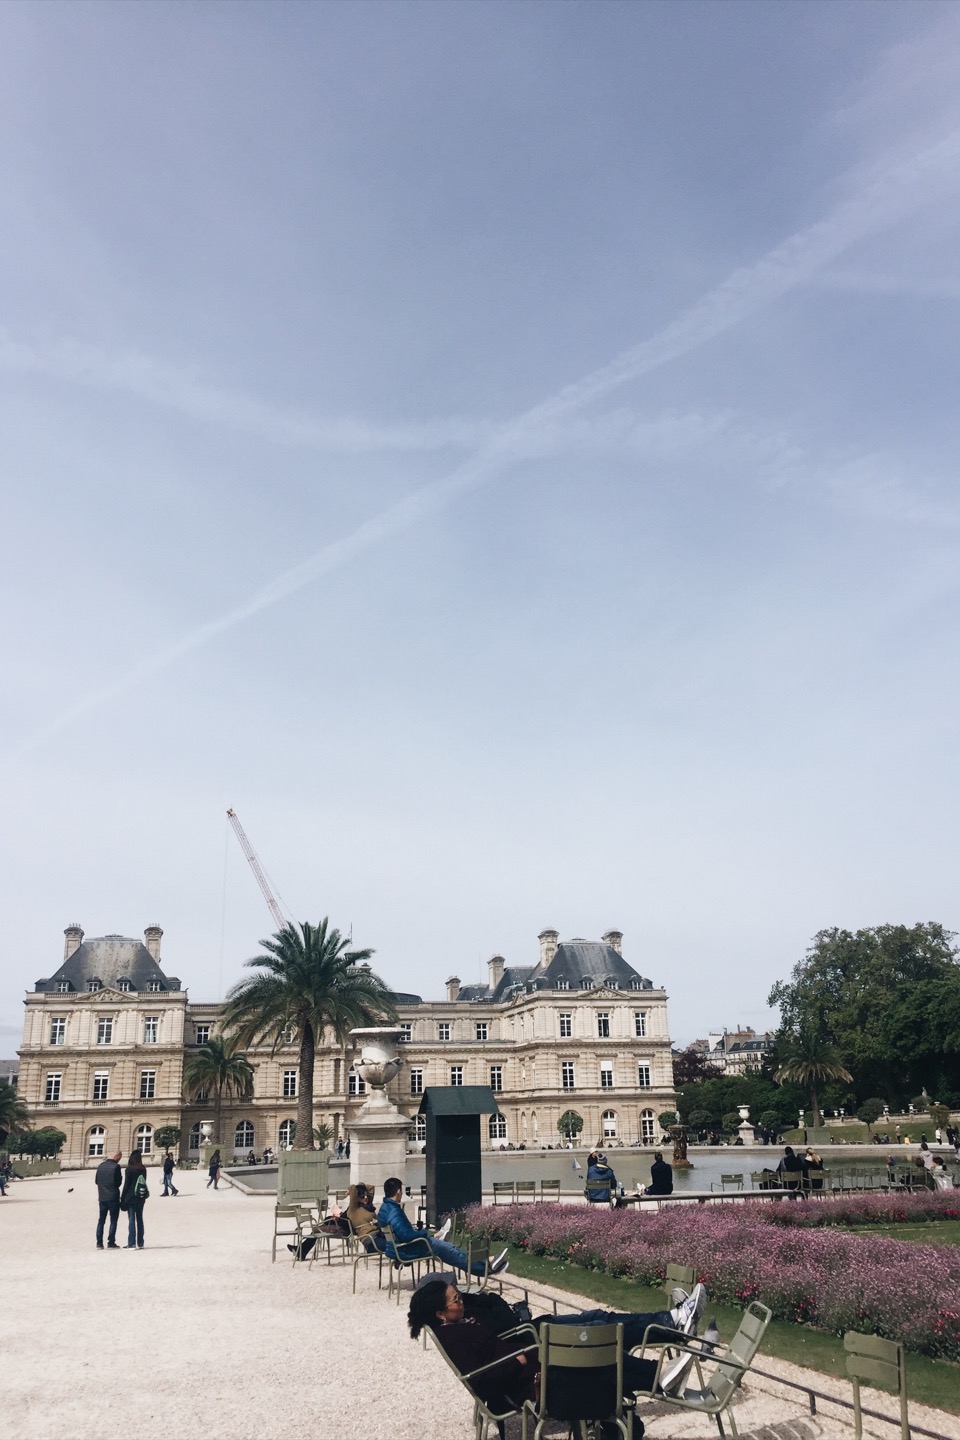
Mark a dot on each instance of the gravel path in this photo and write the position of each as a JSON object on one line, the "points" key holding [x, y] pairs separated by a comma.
{"points": [[200, 1335]]}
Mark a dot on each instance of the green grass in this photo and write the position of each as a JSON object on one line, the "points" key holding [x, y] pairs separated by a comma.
{"points": [[926, 1232], [933, 1382]]}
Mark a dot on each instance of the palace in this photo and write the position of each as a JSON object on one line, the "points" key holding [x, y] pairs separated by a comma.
{"points": [[107, 1036]]}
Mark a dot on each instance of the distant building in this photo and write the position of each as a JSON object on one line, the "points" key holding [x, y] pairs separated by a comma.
{"points": [[9, 1071], [107, 1036], [736, 1052]]}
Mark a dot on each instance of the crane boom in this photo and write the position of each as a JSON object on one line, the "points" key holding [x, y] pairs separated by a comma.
{"points": [[255, 866]]}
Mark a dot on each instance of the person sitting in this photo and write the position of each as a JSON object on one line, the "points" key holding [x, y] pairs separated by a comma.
{"points": [[599, 1175], [812, 1161], [661, 1176], [391, 1213], [471, 1343], [362, 1214], [790, 1169]]}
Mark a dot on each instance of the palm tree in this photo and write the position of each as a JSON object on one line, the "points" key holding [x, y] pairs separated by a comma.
{"points": [[809, 1058], [218, 1066], [308, 981], [14, 1115]]}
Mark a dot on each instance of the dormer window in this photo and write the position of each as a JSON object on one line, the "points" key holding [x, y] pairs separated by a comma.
{"points": [[63, 986], [94, 985], [124, 984], [612, 983], [154, 985], [586, 983], [636, 984], [563, 984]]}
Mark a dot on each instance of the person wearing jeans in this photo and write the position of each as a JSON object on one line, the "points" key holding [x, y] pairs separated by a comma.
{"points": [[391, 1213], [133, 1199], [168, 1186], [108, 1193]]}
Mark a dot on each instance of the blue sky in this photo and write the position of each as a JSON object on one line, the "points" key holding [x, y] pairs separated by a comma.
{"points": [[508, 452]]}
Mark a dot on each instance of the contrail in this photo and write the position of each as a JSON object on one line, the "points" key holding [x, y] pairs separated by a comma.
{"points": [[880, 200]]}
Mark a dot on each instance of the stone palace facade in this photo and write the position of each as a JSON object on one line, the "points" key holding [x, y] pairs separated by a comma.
{"points": [[107, 1036]]}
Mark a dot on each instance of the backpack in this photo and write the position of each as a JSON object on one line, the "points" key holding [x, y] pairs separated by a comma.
{"points": [[140, 1190]]}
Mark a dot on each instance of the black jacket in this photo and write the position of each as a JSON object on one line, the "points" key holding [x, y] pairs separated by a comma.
{"points": [[129, 1180], [661, 1178], [108, 1181]]}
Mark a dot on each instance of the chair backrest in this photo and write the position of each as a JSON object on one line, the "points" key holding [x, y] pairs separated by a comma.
{"points": [[735, 1180], [742, 1348], [549, 1189], [682, 1275], [878, 1362], [581, 1372], [596, 1190], [525, 1187], [502, 1187]]}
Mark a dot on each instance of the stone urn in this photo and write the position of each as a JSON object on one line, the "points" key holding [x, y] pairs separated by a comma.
{"points": [[745, 1130], [378, 1063]]}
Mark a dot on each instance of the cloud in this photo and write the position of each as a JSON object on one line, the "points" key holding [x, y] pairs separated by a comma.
{"points": [[877, 199]]}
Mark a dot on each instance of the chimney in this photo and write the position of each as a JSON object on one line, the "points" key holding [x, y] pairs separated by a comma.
{"points": [[72, 940], [495, 968], [549, 940], [151, 938], [613, 938], [453, 987]]}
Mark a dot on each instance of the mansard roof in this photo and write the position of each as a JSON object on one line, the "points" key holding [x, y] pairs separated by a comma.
{"points": [[573, 963], [110, 959]]}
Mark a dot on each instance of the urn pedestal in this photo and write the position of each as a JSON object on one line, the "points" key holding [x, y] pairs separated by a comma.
{"points": [[378, 1132]]}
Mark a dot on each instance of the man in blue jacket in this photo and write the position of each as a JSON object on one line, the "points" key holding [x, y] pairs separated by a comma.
{"points": [[391, 1213], [598, 1174]]}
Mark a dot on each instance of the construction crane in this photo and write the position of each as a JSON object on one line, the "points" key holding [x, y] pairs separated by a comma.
{"points": [[255, 866]]}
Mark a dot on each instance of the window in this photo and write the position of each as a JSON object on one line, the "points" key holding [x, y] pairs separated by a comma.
{"points": [[286, 1035], [443, 1030], [563, 984], [154, 985], [151, 1029], [636, 984], [148, 1084], [58, 1030], [194, 1141], [606, 1074], [566, 1075], [286, 1133], [63, 986], [648, 1127], [566, 1024], [203, 1095], [640, 1022], [456, 1074], [96, 1140], [51, 1093], [94, 985], [416, 1081], [145, 1139], [243, 1136], [202, 1034], [289, 1084], [496, 1078], [420, 1129], [105, 1030], [498, 1127], [609, 1122], [355, 1085], [643, 1076], [612, 983], [603, 1024], [406, 1031], [586, 983], [124, 984], [481, 1029], [101, 1086]]}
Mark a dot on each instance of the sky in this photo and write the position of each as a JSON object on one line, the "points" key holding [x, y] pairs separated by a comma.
{"points": [[508, 452]]}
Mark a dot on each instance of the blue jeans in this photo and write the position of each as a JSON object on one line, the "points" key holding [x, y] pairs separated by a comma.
{"points": [[449, 1254], [634, 1325], [111, 1208], [135, 1223], [168, 1185]]}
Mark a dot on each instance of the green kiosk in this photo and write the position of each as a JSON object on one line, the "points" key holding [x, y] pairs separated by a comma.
{"points": [[453, 1113]]}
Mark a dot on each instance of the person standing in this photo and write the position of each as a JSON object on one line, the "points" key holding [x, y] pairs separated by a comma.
{"points": [[168, 1186], [346, 1149], [134, 1196], [107, 1181], [214, 1171]]}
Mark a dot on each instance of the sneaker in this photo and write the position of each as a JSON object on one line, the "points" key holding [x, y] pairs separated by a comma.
{"points": [[501, 1263], [673, 1374], [99, 1244], [445, 1229], [678, 1295], [691, 1310]]}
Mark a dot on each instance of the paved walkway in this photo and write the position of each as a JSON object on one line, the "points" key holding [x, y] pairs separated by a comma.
{"points": [[200, 1335]]}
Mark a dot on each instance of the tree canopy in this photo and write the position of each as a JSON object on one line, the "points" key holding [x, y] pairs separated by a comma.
{"points": [[219, 1066], [809, 1058], [14, 1115], [888, 998]]}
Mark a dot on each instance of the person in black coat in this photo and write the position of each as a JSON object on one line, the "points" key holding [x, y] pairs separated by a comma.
{"points": [[108, 1193], [661, 1176], [133, 1198]]}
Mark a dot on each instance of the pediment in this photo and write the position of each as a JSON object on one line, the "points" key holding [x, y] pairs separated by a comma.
{"points": [[106, 995]]}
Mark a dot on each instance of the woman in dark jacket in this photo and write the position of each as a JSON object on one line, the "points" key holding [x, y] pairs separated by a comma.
{"points": [[133, 1197], [214, 1171]]}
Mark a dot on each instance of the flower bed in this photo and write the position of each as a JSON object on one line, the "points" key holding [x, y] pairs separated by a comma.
{"points": [[805, 1270]]}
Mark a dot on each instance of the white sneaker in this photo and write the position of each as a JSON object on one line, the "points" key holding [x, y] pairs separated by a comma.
{"points": [[678, 1295], [501, 1263], [445, 1229], [691, 1310], [675, 1373]]}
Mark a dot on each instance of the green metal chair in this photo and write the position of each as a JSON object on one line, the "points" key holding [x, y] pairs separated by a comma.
{"points": [[599, 1191], [716, 1393], [581, 1381], [878, 1362], [503, 1190], [298, 1217], [484, 1412], [550, 1190], [728, 1182], [523, 1188], [419, 1253]]}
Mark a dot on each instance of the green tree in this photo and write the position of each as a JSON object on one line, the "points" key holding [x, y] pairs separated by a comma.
{"points": [[14, 1115], [809, 1059], [731, 1121], [166, 1136], [309, 981], [889, 999], [870, 1112], [44, 1143], [218, 1066], [570, 1124], [668, 1118]]}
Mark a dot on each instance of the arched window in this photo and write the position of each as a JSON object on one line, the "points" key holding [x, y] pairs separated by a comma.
{"points": [[96, 1140], [523, 1124], [243, 1136], [498, 1127], [535, 1124], [609, 1119], [287, 1131], [648, 1127], [145, 1139], [194, 1143]]}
